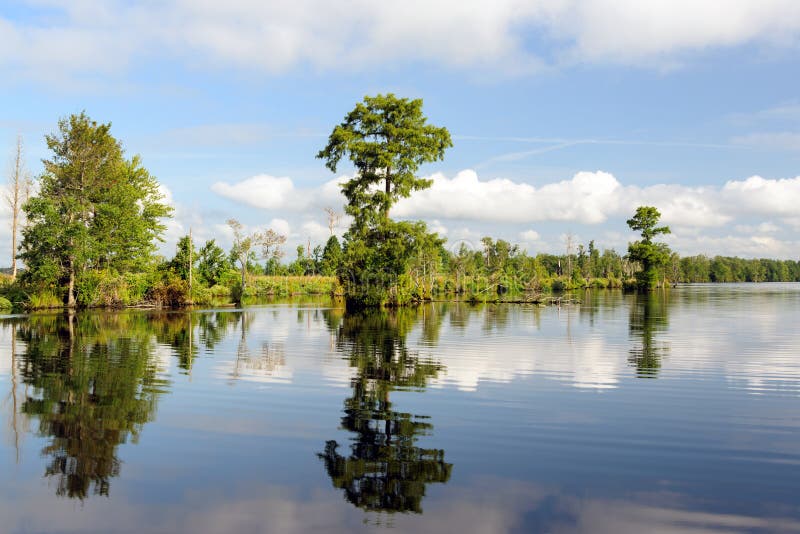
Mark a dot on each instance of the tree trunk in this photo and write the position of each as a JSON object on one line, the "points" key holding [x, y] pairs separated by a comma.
{"points": [[13, 196], [191, 265], [71, 289], [388, 192], [14, 220]]}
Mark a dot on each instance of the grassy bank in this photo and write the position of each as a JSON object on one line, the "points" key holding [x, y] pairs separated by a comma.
{"points": [[156, 290]]}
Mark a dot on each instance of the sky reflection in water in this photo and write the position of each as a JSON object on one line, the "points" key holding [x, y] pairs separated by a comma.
{"points": [[667, 412]]}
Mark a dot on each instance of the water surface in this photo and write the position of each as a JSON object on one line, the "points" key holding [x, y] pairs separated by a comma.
{"points": [[669, 412]]}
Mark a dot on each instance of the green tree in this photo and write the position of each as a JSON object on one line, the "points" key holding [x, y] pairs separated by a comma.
{"points": [[651, 256], [245, 245], [181, 262], [331, 256], [212, 263], [95, 210], [377, 260], [386, 138]]}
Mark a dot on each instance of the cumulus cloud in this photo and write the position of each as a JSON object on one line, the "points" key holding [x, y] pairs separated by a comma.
{"points": [[106, 36], [262, 191], [764, 196], [754, 246], [270, 192], [314, 231], [763, 228], [633, 32], [280, 226], [465, 196], [587, 198], [454, 204]]}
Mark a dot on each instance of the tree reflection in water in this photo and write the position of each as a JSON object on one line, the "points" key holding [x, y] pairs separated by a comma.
{"points": [[648, 317], [93, 385], [384, 469]]}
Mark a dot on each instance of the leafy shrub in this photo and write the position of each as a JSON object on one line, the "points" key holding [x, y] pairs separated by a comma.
{"points": [[559, 285], [630, 284], [220, 291], [5, 304], [599, 283], [43, 300], [170, 291]]}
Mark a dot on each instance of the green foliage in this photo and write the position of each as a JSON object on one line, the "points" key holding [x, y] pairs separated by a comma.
{"points": [[385, 468], [386, 138], [95, 210], [651, 256], [246, 244], [331, 257], [5, 304], [288, 286], [96, 386], [180, 264], [377, 260], [213, 263], [102, 288], [170, 290], [44, 300]]}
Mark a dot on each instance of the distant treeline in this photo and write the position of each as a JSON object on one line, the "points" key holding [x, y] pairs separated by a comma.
{"points": [[587, 266]]}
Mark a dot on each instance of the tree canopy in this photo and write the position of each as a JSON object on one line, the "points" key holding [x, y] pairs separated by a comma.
{"points": [[386, 138], [94, 210]]}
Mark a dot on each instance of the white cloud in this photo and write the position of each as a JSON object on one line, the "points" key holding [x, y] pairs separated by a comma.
{"points": [[280, 226], [262, 191], [166, 194], [438, 227], [699, 215], [94, 36], [271, 193], [584, 198], [755, 246], [315, 231], [787, 112], [633, 32], [763, 228], [764, 196], [587, 198], [530, 236]]}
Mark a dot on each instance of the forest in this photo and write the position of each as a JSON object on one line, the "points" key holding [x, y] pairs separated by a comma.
{"points": [[85, 233]]}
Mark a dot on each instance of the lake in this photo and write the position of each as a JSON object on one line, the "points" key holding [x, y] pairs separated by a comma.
{"points": [[677, 411]]}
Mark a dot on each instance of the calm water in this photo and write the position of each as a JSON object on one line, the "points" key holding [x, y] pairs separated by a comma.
{"points": [[660, 413]]}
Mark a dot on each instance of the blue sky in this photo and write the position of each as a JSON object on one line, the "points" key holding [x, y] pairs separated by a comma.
{"points": [[565, 114]]}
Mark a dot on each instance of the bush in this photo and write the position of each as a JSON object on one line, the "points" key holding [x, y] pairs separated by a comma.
{"points": [[108, 289], [630, 284], [220, 291], [170, 291], [614, 282], [5, 304], [201, 295], [138, 284], [43, 300], [559, 285]]}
